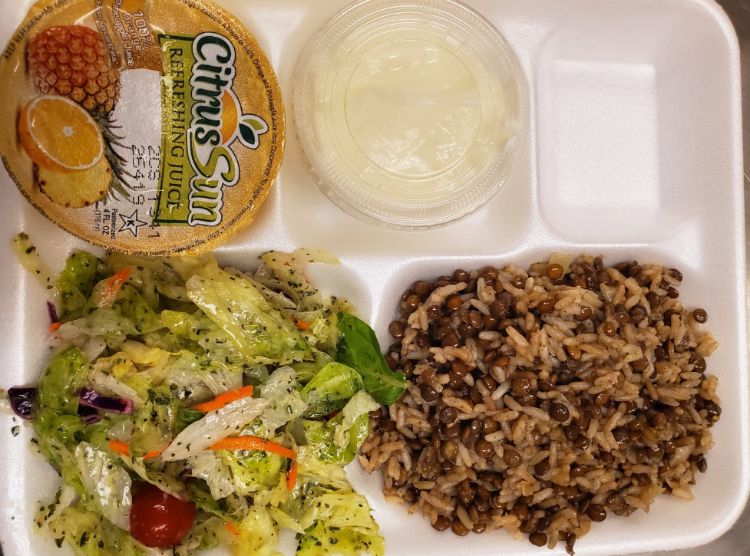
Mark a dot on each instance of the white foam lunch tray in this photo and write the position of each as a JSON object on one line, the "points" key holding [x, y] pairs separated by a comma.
{"points": [[634, 151]]}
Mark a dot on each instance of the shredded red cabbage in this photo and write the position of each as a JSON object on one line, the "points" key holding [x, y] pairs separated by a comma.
{"points": [[89, 414], [91, 398], [52, 311], [22, 401]]}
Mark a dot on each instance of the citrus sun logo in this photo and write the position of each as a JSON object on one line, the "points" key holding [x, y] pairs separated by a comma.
{"points": [[217, 122]]}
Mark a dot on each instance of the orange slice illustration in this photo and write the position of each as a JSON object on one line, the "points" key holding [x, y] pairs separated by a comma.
{"points": [[59, 135]]}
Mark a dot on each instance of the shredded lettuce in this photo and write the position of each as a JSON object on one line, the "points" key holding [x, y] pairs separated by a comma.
{"points": [[166, 476], [60, 383], [76, 282], [210, 467], [57, 424], [320, 473], [341, 523], [320, 540], [208, 532], [135, 307], [88, 533], [107, 484], [153, 360], [354, 417], [257, 329], [215, 426], [57, 436], [257, 534], [196, 333], [285, 403], [255, 473], [155, 423], [106, 323], [339, 439], [330, 389], [286, 272], [306, 370], [195, 378]]}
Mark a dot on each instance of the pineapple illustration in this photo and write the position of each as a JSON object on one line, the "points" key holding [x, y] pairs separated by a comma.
{"points": [[73, 61]]}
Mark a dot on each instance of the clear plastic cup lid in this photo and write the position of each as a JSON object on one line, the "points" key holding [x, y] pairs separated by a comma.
{"points": [[410, 113]]}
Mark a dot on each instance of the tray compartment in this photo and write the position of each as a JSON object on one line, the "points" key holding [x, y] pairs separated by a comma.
{"points": [[626, 104], [678, 63]]}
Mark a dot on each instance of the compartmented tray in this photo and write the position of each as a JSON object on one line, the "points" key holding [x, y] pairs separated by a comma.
{"points": [[634, 151]]}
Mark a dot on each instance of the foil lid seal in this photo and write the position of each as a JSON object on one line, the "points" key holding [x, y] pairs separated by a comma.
{"points": [[141, 126]]}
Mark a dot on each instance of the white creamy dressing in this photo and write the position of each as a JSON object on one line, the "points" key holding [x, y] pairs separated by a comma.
{"points": [[413, 108], [416, 113], [410, 112]]}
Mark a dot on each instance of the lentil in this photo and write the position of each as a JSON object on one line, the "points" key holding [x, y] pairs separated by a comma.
{"points": [[559, 412], [554, 271]]}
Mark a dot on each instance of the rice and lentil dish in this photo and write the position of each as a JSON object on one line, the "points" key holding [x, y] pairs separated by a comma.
{"points": [[542, 400]]}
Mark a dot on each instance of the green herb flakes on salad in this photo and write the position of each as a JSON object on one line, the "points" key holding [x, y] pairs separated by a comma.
{"points": [[189, 406]]}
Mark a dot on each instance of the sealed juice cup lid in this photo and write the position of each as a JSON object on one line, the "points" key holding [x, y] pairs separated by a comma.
{"points": [[412, 112], [144, 126]]}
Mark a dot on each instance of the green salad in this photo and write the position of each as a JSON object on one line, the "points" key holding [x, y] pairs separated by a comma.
{"points": [[189, 406]]}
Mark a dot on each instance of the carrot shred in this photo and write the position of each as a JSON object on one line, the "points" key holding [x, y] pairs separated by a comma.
{"points": [[302, 324], [253, 443], [123, 449], [232, 528], [112, 287], [223, 399], [152, 454], [54, 327], [291, 476], [119, 447], [119, 278]]}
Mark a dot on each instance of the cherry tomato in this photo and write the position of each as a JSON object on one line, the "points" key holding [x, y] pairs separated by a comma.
{"points": [[157, 519]]}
